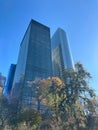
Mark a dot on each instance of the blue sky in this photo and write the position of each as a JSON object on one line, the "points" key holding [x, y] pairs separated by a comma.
{"points": [[79, 18]]}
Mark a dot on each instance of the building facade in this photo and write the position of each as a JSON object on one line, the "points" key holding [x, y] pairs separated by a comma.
{"points": [[9, 81], [34, 60], [61, 53]]}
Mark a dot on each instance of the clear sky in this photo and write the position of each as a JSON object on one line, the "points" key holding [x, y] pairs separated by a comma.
{"points": [[79, 18]]}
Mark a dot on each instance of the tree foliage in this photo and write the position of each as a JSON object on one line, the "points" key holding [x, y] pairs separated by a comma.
{"points": [[68, 104], [78, 93], [12, 117], [68, 99]]}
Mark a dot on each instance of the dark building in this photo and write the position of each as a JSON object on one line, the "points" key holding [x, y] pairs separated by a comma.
{"points": [[9, 82], [34, 60], [61, 53]]}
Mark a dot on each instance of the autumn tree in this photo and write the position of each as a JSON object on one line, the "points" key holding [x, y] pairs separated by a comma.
{"points": [[48, 97], [61, 105], [66, 99], [78, 93]]}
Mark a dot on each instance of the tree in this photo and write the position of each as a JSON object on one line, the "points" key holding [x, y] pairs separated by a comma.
{"points": [[3, 111], [48, 95], [8, 112], [92, 116], [30, 118], [13, 117], [68, 104], [78, 93], [66, 99], [13, 112]]}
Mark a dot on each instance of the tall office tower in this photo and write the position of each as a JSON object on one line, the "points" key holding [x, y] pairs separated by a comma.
{"points": [[61, 54], [34, 60], [9, 82]]}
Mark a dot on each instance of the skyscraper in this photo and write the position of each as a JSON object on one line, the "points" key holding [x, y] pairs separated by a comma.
{"points": [[61, 54], [34, 60], [9, 82]]}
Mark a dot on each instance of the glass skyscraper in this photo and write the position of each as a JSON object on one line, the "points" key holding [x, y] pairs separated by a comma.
{"points": [[61, 53], [34, 60], [9, 82]]}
